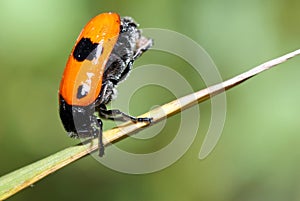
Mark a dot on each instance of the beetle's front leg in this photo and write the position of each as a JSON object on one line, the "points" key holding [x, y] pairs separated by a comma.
{"points": [[143, 45], [118, 115]]}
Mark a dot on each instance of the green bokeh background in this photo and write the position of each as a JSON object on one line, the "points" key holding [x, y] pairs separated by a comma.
{"points": [[258, 155]]}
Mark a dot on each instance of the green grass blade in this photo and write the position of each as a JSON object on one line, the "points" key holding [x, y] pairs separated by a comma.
{"points": [[26, 176]]}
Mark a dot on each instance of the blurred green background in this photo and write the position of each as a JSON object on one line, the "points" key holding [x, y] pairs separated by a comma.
{"points": [[258, 155]]}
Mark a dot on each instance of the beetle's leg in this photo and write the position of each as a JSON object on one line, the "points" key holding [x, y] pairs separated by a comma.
{"points": [[120, 116], [100, 138], [143, 45]]}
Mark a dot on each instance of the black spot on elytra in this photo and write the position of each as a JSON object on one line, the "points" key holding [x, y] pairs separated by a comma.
{"points": [[85, 49], [79, 92]]}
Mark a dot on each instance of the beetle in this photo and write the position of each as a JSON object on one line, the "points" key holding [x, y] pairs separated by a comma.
{"points": [[103, 56]]}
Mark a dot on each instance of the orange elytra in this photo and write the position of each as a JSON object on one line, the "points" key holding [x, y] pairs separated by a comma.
{"points": [[86, 74]]}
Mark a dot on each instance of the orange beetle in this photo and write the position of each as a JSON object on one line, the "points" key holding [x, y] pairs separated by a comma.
{"points": [[102, 57]]}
